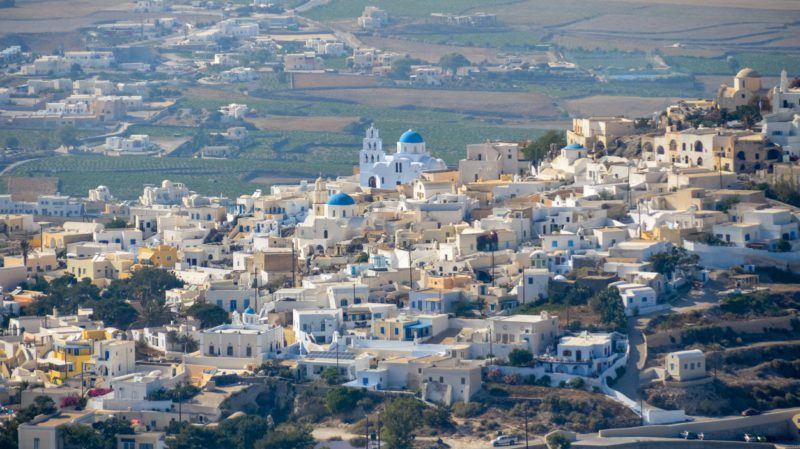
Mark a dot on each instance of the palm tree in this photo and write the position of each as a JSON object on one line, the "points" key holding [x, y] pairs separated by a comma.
{"points": [[25, 247], [154, 313]]}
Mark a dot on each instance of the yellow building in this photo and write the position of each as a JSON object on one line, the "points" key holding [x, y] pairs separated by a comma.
{"points": [[162, 256], [69, 359]]}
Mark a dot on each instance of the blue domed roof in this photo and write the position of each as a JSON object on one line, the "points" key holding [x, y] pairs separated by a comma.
{"points": [[411, 136], [574, 146], [249, 311], [341, 199]]}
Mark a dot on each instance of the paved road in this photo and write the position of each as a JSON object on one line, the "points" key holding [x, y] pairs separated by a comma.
{"points": [[628, 384]]}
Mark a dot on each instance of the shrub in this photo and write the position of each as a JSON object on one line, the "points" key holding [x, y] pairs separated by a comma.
{"points": [[469, 410], [520, 357], [342, 399], [512, 379], [69, 401]]}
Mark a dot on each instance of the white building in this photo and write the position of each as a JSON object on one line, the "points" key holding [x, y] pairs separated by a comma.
{"points": [[335, 219], [245, 338], [379, 170], [534, 333], [637, 298], [136, 143], [316, 325], [168, 193], [685, 365], [373, 18]]}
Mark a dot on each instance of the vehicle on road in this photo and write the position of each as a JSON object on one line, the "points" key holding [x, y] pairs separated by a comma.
{"points": [[751, 412], [686, 435], [504, 440]]}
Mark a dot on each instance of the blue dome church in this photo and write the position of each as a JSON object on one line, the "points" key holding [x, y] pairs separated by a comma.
{"points": [[382, 171]]}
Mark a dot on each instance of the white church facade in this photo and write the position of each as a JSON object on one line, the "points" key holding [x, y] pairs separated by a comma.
{"points": [[382, 171], [334, 219]]}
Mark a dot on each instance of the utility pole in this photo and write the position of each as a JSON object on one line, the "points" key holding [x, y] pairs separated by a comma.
{"points": [[526, 426], [294, 269], [366, 445], [379, 428]]}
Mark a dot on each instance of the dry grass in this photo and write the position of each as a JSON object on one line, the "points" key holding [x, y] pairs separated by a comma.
{"points": [[430, 52], [608, 105], [521, 104], [316, 80], [318, 124]]}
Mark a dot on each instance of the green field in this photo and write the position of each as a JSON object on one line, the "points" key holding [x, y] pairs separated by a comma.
{"points": [[125, 176], [350, 9], [765, 63], [446, 133], [500, 39]]}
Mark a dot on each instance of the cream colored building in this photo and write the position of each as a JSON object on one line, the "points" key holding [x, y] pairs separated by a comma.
{"points": [[108, 266], [712, 148], [43, 431], [685, 365], [746, 88], [598, 133], [38, 261]]}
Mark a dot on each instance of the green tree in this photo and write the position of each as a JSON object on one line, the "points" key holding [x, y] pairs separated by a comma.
{"points": [[538, 149], [331, 376], [68, 136], [362, 258], [117, 223], [146, 282], [451, 62], [155, 312], [287, 437], [66, 294], [401, 68], [400, 419], [676, 258], [110, 428], [114, 312], [210, 315], [12, 142], [80, 436], [558, 441], [783, 246], [242, 432], [608, 304], [342, 399], [191, 437], [520, 357]]}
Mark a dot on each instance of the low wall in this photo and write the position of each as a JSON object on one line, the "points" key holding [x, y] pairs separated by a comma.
{"points": [[772, 424], [677, 443], [728, 257], [757, 326]]}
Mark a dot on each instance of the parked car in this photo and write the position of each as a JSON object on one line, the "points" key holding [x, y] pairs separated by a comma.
{"points": [[504, 440], [686, 435], [751, 412], [750, 438]]}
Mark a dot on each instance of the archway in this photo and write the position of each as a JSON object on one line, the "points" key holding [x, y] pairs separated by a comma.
{"points": [[373, 182]]}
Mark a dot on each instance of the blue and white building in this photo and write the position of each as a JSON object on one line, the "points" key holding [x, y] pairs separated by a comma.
{"points": [[379, 170]]}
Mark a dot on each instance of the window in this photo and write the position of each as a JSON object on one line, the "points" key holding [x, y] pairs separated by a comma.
{"points": [[145, 446], [37, 443], [463, 381], [230, 350]]}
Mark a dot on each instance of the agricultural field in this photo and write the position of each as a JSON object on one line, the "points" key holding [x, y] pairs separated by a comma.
{"points": [[768, 64], [126, 175], [431, 52], [508, 104], [504, 39], [350, 9]]}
